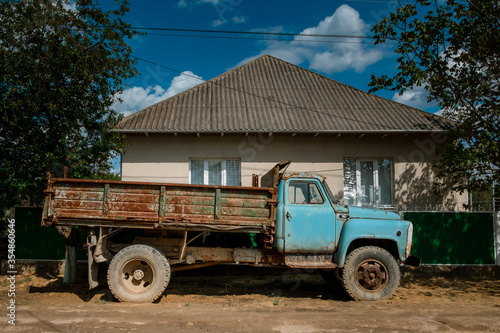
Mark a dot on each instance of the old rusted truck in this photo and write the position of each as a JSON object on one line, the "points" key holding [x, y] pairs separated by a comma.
{"points": [[145, 231]]}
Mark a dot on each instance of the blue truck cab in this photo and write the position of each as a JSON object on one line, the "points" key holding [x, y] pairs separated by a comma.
{"points": [[361, 247]]}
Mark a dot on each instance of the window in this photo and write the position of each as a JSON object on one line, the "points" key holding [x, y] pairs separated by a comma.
{"points": [[367, 182], [215, 172], [304, 193]]}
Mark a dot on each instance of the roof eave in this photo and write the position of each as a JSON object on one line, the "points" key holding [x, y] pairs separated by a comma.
{"points": [[271, 132]]}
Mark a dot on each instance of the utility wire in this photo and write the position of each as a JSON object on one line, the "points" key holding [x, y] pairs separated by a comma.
{"points": [[264, 39], [251, 33]]}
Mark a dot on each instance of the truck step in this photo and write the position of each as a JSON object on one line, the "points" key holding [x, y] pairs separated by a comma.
{"points": [[310, 261]]}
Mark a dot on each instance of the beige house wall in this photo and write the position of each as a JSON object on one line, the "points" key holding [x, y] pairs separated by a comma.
{"points": [[165, 158]]}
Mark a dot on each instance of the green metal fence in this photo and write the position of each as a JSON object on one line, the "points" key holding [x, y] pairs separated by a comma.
{"points": [[453, 238], [438, 238], [36, 242]]}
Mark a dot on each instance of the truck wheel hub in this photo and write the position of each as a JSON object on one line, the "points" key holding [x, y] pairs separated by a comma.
{"points": [[371, 275], [138, 274]]}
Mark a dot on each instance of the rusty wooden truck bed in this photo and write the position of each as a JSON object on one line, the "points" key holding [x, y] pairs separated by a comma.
{"points": [[98, 203]]}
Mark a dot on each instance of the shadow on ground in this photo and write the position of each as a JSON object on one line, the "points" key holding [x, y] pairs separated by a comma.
{"points": [[218, 281]]}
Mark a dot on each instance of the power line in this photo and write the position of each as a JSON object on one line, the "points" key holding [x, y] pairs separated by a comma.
{"points": [[265, 39], [252, 33], [170, 69], [262, 97]]}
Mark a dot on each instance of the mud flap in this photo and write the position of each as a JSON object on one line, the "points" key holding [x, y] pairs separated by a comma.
{"points": [[70, 236], [413, 261], [93, 269]]}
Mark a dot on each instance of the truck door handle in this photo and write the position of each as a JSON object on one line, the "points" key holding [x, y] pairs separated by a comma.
{"points": [[288, 216]]}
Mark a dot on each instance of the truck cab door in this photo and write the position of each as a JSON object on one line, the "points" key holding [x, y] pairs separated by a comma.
{"points": [[308, 218]]}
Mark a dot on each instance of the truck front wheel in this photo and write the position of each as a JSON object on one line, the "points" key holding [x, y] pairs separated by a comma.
{"points": [[138, 273], [370, 274]]}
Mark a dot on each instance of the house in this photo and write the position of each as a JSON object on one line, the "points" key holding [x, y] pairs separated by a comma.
{"points": [[373, 151]]}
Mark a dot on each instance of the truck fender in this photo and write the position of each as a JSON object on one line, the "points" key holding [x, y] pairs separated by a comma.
{"points": [[372, 230]]}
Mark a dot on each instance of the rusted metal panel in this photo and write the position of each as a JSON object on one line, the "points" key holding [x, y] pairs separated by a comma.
{"points": [[255, 180], [133, 207], [126, 197], [244, 212], [238, 255], [97, 203], [244, 203], [272, 178], [77, 204], [80, 195]]}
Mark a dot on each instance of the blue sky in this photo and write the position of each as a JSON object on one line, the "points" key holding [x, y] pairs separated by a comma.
{"points": [[350, 61]]}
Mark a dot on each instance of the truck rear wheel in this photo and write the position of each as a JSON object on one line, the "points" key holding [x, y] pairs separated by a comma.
{"points": [[370, 274], [138, 273]]}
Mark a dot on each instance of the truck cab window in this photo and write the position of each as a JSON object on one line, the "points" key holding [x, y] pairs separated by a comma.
{"points": [[304, 193]]}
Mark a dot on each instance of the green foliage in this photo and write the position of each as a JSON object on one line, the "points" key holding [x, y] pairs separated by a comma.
{"points": [[4, 221], [61, 67], [452, 49], [482, 201]]}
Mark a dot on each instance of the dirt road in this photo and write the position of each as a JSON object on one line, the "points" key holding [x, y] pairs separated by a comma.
{"points": [[277, 301]]}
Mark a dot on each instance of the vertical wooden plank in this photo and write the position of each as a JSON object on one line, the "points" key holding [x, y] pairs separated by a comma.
{"points": [[105, 203], [161, 204], [217, 203]]}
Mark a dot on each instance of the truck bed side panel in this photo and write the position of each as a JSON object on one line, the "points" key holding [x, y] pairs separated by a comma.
{"points": [[155, 205]]}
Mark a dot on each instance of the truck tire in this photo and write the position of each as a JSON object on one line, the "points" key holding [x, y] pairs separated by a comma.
{"points": [[138, 273], [370, 274]]}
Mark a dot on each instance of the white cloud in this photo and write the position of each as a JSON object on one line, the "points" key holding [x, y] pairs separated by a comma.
{"points": [[283, 50], [218, 22], [138, 98], [415, 97], [234, 19], [332, 62], [69, 5], [439, 113], [341, 55], [185, 3], [225, 10], [345, 21], [239, 19], [183, 82]]}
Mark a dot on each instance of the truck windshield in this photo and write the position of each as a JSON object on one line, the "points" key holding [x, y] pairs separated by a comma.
{"points": [[329, 193]]}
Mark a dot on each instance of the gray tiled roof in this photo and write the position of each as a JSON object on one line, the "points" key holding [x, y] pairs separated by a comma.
{"points": [[271, 95]]}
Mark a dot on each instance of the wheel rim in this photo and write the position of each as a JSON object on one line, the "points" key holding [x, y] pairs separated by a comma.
{"points": [[137, 276], [371, 276]]}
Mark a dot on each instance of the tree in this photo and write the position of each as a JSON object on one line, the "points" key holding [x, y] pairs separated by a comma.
{"points": [[62, 65], [452, 49]]}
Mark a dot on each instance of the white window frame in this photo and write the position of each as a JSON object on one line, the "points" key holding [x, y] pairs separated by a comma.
{"points": [[376, 184], [205, 169]]}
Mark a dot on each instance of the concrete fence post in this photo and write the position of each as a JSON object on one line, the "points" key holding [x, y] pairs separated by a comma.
{"points": [[496, 228]]}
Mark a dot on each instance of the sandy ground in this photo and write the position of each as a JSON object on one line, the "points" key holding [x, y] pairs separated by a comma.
{"points": [[272, 301]]}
